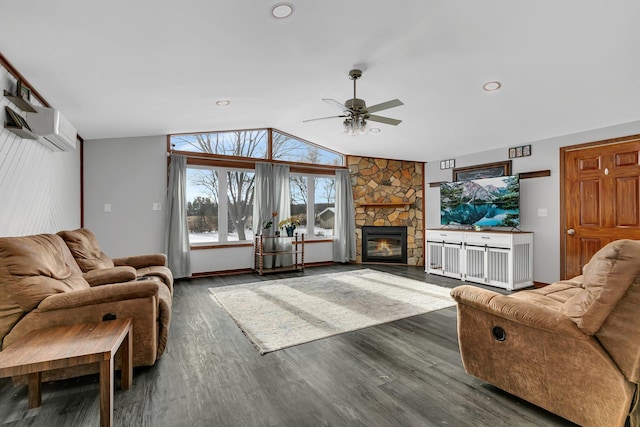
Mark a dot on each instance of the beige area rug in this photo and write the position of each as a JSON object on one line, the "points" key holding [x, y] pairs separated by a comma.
{"points": [[282, 313]]}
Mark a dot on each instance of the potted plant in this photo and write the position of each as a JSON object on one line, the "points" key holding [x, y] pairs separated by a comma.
{"points": [[289, 224]]}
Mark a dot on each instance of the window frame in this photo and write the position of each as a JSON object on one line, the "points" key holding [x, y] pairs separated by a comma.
{"points": [[218, 161], [223, 205]]}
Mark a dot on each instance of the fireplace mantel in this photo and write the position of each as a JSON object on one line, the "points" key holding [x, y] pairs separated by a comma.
{"points": [[384, 204]]}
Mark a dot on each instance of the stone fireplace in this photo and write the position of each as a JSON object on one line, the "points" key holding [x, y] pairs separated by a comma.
{"points": [[389, 193], [384, 244]]}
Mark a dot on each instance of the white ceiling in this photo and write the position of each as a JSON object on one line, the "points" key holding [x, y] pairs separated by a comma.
{"points": [[121, 68]]}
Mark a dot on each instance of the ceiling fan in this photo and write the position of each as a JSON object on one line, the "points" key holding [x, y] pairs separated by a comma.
{"points": [[356, 113]]}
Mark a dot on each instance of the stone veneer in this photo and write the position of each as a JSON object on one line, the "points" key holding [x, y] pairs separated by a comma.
{"points": [[394, 182]]}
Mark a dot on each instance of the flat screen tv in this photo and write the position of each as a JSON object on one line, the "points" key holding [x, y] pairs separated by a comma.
{"points": [[484, 202]]}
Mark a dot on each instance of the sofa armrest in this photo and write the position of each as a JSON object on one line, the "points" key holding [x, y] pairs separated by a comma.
{"points": [[141, 261], [103, 276], [99, 295], [518, 310]]}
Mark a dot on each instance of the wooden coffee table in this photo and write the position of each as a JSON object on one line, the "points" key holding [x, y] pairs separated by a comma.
{"points": [[64, 346]]}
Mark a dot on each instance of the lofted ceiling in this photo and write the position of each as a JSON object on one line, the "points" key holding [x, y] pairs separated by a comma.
{"points": [[148, 67]]}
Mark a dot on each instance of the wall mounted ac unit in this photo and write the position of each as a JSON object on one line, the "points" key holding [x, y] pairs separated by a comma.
{"points": [[55, 132]]}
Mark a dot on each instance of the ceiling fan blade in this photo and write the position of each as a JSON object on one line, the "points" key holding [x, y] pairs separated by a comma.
{"points": [[384, 105], [323, 118], [336, 104], [386, 120]]}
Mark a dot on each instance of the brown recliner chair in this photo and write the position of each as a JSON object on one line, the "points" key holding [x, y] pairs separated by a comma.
{"points": [[93, 262], [42, 286], [572, 347]]}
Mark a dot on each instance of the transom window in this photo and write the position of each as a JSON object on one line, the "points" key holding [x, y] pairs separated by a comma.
{"points": [[247, 143], [292, 149], [254, 144]]}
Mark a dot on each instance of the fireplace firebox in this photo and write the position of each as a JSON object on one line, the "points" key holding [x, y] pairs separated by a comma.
{"points": [[384, 244]]}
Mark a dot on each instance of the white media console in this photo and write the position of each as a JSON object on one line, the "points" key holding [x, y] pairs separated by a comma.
{"points": [[496, 258]]}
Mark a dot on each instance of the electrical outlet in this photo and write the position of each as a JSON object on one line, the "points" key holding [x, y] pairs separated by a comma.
{"points": [[156, 206], [107, 207], [542, 212]]}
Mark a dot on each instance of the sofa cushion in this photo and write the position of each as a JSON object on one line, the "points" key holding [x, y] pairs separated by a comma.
{"points": [[85, 249], [607, 277], [31, 269], [552, 296]]}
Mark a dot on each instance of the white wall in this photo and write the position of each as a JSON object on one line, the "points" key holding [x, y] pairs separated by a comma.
{"points": [[131, 175], [536, 193], [39, 188], [206, 260]]}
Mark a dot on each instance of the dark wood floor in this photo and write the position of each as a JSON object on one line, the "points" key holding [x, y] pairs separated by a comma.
{"points": [[404, 373]]}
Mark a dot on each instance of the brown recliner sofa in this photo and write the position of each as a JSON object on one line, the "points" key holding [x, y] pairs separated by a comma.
{"points": [[42, 286], [95, 263], [572, 347]]}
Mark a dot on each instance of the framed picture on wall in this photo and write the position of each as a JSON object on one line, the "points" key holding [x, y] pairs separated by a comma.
{"points": [[23, 91], [487, 170]]}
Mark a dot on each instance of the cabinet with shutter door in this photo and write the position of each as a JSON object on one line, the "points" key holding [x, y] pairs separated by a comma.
{"points": [[497, 258]]}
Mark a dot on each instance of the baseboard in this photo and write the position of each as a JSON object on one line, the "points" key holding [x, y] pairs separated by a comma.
{"points": [[250, 270]]}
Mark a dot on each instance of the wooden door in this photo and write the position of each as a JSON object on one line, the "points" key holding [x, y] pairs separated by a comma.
{"points": [[601, 199]]}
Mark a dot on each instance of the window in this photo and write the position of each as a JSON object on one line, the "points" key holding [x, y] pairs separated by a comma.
{"points": [[202, 205], [292, 149], [219, 204], [324, 206], [221, 178], [254, 144], [321, 191], [246, 143]]}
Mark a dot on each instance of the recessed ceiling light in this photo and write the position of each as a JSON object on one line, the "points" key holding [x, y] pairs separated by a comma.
{"points": [[491, 86], [223, 103], [282, 10], [374, 130]]}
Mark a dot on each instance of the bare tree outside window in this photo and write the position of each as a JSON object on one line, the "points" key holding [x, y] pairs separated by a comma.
{"points": [[210, 209], [239, 183]]}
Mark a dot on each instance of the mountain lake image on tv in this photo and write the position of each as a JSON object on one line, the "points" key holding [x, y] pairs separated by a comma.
{"points": [[486, 202]]}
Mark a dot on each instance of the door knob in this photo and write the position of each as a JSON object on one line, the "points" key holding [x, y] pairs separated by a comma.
{"points": [[571, 232]]}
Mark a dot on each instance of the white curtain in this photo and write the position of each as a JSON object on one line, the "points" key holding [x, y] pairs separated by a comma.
{"points": [[271, 194], [177, 235], [344, 231], [263, 202], [281, 192]]}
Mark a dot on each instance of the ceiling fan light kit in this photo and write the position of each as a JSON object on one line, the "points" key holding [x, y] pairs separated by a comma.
{"points": [[355, 111], [355, 126]]}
